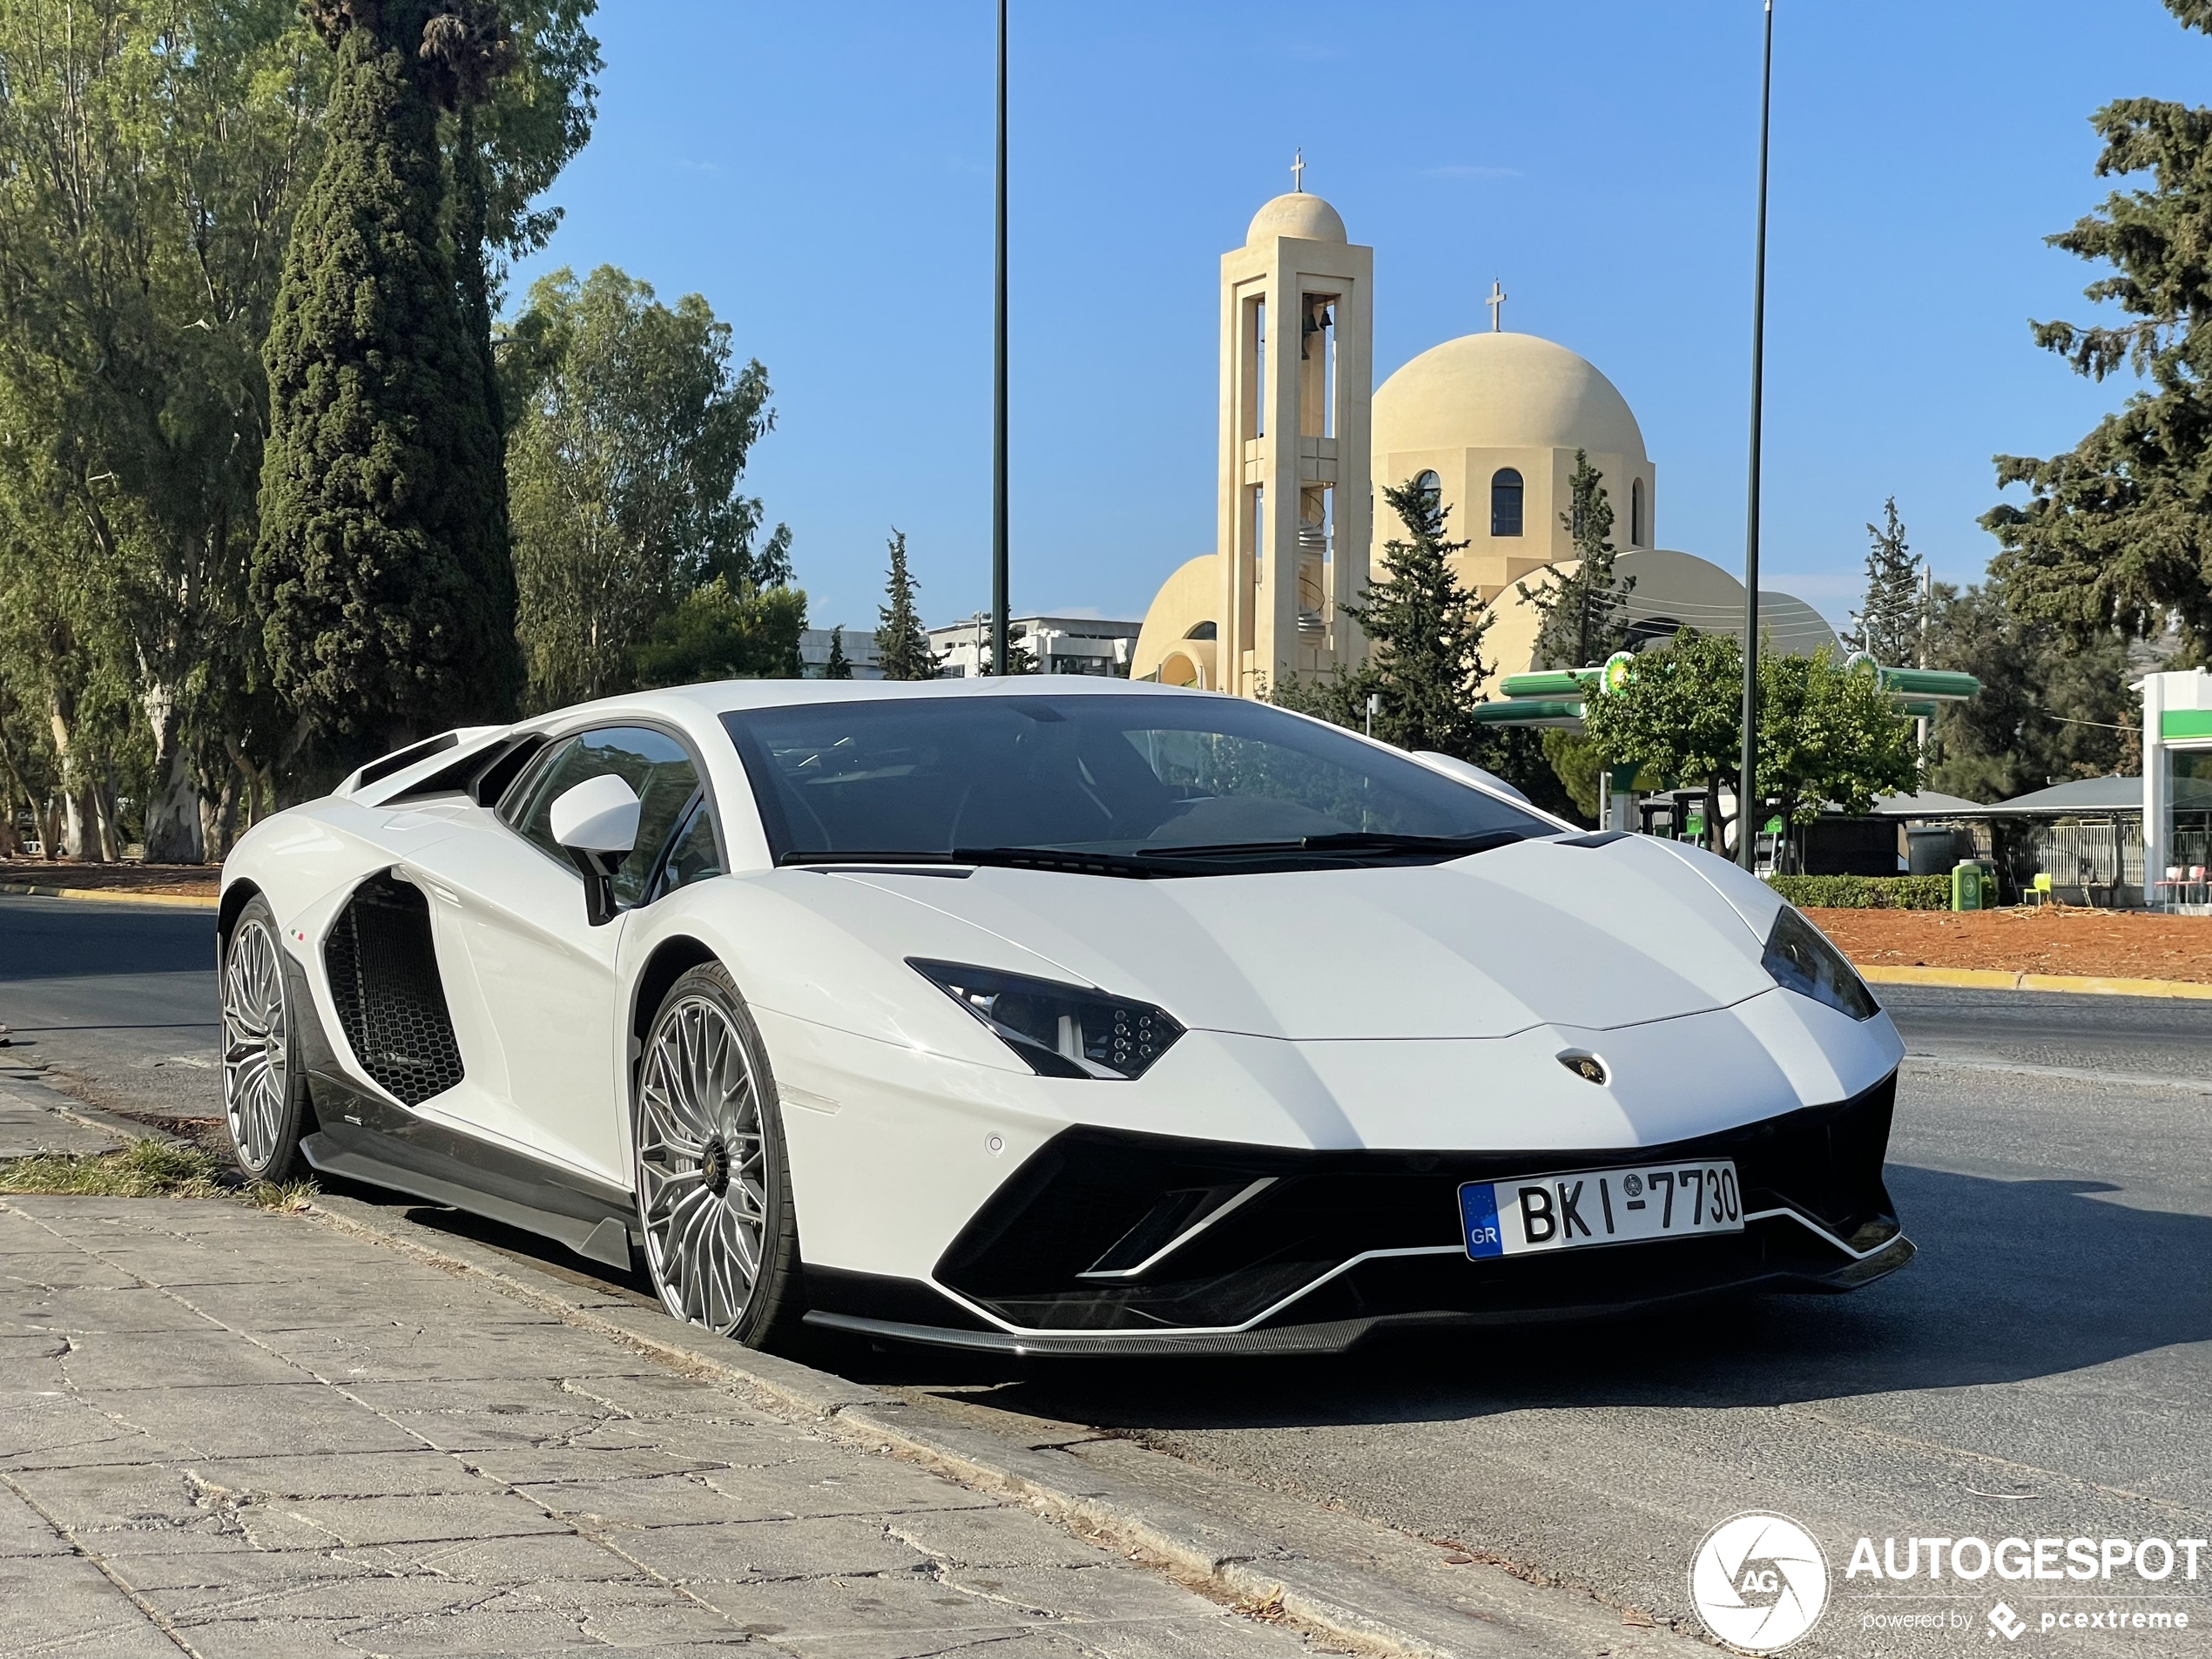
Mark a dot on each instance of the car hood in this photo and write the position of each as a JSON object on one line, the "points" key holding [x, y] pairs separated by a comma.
{"points": [[1590, 933]]}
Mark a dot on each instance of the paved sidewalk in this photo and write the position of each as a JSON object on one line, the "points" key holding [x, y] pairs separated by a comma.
{"points": [[228, 1432]]}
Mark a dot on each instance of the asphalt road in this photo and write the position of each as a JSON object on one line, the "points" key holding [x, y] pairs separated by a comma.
{"points": [[2044, 1369]]}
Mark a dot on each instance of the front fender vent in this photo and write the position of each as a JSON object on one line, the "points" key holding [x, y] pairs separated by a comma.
{"points": [[383, 974]]}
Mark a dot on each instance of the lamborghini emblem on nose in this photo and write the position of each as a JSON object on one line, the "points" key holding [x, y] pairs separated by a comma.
{"points": [[1588, 1067]]}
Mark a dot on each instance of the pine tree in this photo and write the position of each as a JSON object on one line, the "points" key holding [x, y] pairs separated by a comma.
{"points": [[840, 667], [1889, 622], [1582, 611], [2117, 531], [901, 643], [1424, 633], [382, 574]]}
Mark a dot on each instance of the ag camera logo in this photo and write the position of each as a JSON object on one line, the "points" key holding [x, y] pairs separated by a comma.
{"points": [[1759, 1581]]}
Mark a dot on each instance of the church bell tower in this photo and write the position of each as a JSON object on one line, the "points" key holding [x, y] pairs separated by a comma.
{"points": [[1296, 375]]}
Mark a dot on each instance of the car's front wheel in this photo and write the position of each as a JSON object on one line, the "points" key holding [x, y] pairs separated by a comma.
{"points": [[713, 1183], [264, 1089]]}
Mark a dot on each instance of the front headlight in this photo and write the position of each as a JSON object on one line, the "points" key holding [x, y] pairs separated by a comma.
{"points": [[1801, 960], [1059, 1030]]}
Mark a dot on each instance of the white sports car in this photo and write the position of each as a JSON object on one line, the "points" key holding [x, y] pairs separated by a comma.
{"points": [[1049, 1015]]}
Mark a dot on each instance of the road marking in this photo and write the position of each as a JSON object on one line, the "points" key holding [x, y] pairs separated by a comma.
{"points": [[2070, 1074]]}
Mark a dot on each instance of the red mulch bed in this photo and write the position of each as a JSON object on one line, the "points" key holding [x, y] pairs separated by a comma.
{"points": [[197, 880], [2126, 944]]}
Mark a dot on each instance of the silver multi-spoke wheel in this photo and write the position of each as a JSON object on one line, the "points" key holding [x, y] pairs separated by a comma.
{"points": [[256, 1044], [703, 1163]]}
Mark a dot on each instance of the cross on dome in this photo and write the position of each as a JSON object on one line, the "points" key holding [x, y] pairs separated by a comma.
{"points": [[1298, 171], [1496, 302]]}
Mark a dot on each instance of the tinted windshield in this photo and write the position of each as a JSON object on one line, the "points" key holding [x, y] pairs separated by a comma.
{"points": [[1182, 777]]}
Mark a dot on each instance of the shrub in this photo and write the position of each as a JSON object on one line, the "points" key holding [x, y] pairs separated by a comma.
{"points": [[1866, 892]]}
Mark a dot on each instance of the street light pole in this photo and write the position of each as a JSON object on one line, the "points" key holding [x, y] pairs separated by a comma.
{"points": [[1748, 798], [998, 391]]}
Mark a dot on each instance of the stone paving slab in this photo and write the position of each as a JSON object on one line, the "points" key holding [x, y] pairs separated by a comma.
{"points": [[229, 1431], [31, 1123]]}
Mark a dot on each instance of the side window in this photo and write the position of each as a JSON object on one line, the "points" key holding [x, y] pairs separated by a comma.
{"points": [[693, 855], [656, 766]]}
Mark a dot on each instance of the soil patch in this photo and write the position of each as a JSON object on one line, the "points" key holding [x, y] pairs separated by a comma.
{"points": [[190, 880], [2126, 944]]}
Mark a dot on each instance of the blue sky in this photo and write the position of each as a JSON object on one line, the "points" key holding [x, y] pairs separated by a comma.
{"points": [[823, 176]]}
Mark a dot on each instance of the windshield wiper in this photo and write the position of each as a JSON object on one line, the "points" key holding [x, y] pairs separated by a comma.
{"points": [[1348, 841]]}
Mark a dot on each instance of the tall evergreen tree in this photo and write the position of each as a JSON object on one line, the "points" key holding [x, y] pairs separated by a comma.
{"points": [[1582, 610], [1889, 620], [382, 571], [901, 643], [2117, 532], [839, 667], [1423, 631]]}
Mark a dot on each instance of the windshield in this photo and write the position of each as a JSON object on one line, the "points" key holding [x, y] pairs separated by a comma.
{"points": [[1127, 784]]}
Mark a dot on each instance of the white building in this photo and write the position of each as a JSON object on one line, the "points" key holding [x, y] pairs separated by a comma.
{"points": [[1061, 645], [860, 651]]}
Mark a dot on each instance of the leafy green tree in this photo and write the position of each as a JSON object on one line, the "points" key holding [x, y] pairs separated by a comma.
{"points": [[151, 158], [2049, 708], [901, 643], [1583, 611], [1826, 734], [382, 571], [1890, 617], [2117, 532], [633, 425], [716, 632], [840, 667]]}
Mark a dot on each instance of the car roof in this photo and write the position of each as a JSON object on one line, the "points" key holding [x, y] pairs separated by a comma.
{"points": [[726, 697]]}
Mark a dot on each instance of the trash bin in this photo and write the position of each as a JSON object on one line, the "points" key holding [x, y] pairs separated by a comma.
{"points": [[1966, 886]]}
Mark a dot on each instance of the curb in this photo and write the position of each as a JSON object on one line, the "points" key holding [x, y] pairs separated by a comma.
{"points": [[1991, 979], [109, 895], [1219, 1559]]}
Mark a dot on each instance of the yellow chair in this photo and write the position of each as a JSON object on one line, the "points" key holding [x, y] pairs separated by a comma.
{"points": [[2040, 893]]}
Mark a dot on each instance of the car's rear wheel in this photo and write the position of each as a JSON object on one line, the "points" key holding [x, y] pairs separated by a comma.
{"points": [[713, 1183], [264, 1103]]}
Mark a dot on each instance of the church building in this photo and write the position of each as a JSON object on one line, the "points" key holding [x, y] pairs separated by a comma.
{"points": [[1491, 421]]}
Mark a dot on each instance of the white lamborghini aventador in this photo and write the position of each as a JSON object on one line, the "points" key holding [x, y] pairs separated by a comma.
{"points": [[1050, 1015]]}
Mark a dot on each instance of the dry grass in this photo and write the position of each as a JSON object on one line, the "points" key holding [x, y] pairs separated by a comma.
{"points": [[147, 1169]]}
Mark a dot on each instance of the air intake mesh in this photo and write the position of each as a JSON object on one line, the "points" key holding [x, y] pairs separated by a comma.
{"points": [[391, 1004]]}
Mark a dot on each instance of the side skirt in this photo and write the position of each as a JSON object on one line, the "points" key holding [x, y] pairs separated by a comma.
{"points": [[430, 1161]]}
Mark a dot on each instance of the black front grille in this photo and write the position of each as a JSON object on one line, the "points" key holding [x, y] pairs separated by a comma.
{"points": [[1095, 1199], [391, 1004]]}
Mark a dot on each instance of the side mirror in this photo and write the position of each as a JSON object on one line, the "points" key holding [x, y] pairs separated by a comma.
{"points": [[595, 824]]}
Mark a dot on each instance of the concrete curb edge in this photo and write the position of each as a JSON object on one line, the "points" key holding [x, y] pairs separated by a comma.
{"points": [[1343, 1606], [109, 895], [1991, 979]]}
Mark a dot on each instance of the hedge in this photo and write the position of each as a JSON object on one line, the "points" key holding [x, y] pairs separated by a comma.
{"points": [[1866, 892]]}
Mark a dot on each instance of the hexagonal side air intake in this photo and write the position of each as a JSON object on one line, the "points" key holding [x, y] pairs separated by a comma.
{"points": [[383, 973]]}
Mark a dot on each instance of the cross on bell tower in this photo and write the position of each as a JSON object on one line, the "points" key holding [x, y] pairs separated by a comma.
{"points": [[1496, 302], [1298, 171]]}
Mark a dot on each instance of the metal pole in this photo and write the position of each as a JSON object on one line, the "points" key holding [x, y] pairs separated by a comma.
{"points": [[998, 391], [1748, 798]]}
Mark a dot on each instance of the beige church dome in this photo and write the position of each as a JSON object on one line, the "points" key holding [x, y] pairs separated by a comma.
{"points": [[1499, 391], [1296, 215]]}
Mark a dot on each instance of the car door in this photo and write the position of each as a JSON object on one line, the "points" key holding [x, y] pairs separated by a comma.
{"points": [[546, 976]]}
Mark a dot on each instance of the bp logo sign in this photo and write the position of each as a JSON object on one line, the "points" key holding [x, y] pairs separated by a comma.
{"points": [[1759, 1581]]}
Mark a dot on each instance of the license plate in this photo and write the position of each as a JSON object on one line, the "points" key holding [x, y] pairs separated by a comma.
{"points": [[1623, 1206]]}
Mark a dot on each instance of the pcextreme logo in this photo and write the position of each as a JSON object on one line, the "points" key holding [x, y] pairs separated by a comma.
{"points": [[1759, 1581]]}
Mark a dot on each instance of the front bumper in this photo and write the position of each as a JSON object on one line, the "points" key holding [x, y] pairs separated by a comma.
{"points": [[1108, 1242]]}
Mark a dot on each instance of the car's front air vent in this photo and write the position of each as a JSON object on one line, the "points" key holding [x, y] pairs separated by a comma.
{"points": [[384, 977]]}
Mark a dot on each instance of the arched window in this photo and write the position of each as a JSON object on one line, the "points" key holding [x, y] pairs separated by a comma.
{"points": [[1635, 514], [1202, 630], [1505, 503], [1429, 485]]}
